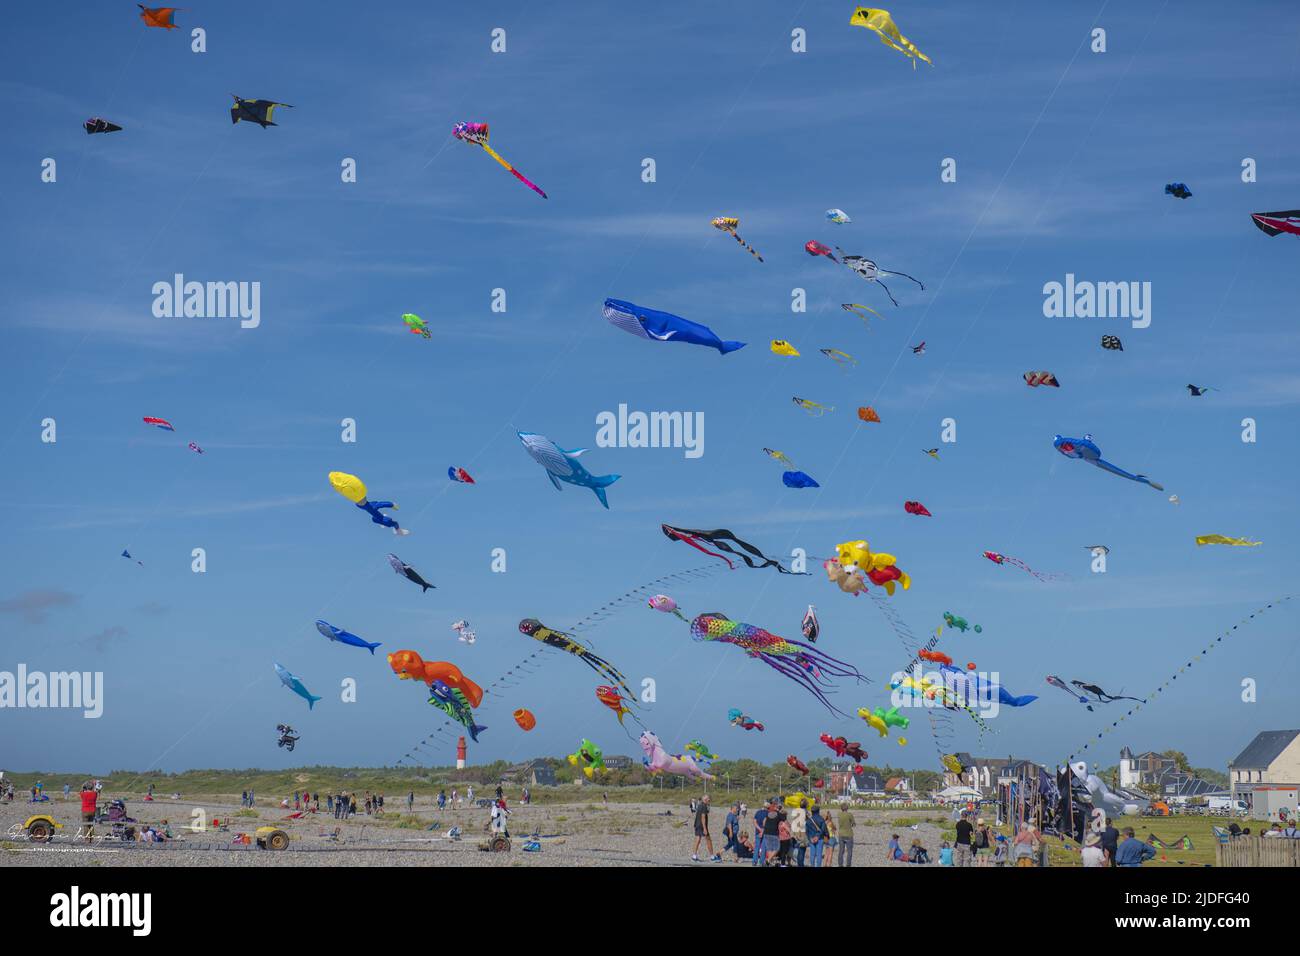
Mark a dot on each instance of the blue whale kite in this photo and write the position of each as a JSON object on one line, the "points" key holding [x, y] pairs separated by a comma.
{"points": [[563, 465], [663, 326], [1085, 449], [342, 636], [295, 685], [977, 688]]}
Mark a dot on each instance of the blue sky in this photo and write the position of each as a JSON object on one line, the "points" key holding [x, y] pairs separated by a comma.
{"points": [[1062, 155]]}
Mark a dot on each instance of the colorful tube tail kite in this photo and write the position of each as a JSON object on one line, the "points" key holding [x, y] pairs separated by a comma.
{"points": [[663, 326], [477, 134], [1276, 223], [97, 124], [255, 111], [163, 17], [1034, 379], [729, 225], [779, 456], [531, 627], [857, 308], [722, 539], [815, 409], [1086, 449], [843, 359], [882, 24], [1017, 563], [1203, 539], [800, 662]]}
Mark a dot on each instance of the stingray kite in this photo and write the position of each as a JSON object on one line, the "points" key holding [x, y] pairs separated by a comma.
{"points": [[800, 662], [538, 631], [127, 554], [815, 409], [477, 134], [882, 24], [1203, 539], [729, 225], [163, 17], [872, 272], [408, 572], [722, 539], [354, 489], [663, 326], [1276, 223], [255, 111], [1196, 391], [1085, 449], [97, 124]]}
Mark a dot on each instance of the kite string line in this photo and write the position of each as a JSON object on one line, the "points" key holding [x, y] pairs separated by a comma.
{"points": [[1151, 697]]}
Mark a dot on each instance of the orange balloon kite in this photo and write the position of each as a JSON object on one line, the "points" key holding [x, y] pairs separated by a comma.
{"points": [[408, 665], [525, 719], [158, 16]]}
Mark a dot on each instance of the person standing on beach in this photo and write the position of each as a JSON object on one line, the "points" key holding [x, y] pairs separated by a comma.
{"points": [[352, 804], [772, 832], [410, 801], [828, 853], [1133, 852], [815, 834], [89, 797], [759, 816], [845, 837], [1092, 854], [469, 795], [1110, 842], [702, 831], [963, 841], [442, 799]]}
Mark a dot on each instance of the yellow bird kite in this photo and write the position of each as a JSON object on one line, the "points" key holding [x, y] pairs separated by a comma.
{"points": [[882, 24]]}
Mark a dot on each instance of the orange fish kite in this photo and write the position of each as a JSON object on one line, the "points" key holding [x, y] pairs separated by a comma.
{"points": [[611, 698]]}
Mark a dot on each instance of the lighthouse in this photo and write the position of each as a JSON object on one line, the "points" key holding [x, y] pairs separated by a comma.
{"points": [[460, 754]]}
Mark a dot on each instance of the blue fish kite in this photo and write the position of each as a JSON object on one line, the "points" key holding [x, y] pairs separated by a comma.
{"points": [[976, 689], [1085, 449], [295, 685], [562, 465], [342, 636], [797, 479], [456, 706], [663, 326]]}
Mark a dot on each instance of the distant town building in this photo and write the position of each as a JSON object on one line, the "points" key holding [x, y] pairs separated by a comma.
{"points": [[986, 773], [618, 762], [1267, 772]]}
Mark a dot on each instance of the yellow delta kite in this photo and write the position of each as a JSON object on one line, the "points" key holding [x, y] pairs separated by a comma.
{"points": [[882, 24], [1224, 539]]}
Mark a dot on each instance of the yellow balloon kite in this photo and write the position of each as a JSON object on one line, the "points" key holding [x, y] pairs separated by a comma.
{"points": [[349, 486], [882, 24]]}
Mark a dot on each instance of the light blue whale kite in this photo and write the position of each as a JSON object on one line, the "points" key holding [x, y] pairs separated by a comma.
{"points": [[1086, 450], [295, 685], [342, 636], [563, 465]]}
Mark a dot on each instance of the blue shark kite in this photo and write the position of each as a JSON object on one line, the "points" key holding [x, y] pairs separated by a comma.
{"points": [[562, 465], [295, 685], [663, 326], [342, 636], [975, 689], [456, 706], [1085, 449]]}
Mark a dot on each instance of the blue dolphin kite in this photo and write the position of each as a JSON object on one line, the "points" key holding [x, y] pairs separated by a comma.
{"points": [[562, 465], [342, 636], [1084, 448], [663, 326], [295, 685]]}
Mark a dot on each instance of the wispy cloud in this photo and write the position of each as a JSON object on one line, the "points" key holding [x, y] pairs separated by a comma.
{"points": [[35, 605]]}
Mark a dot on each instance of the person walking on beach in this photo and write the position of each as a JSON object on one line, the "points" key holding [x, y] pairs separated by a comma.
{"points": [[702, 831], [963, 842], [1092, 853], [828, 845], [442, 799], [1110, 842], [772, 822], [1025, 846], [759, 816], [352, 804], [89, 797], [1133, 852], [982, 844], [469, 795], [731, 828], [845, 836], [410, 801]]}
